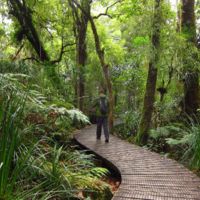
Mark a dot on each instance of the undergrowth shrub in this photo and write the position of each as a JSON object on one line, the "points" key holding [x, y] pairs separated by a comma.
{"points": [[166, 112], [128, 125], [35, 163], [64, 173], [158, 137], [179, 140], [10, 122], [189, 143]]}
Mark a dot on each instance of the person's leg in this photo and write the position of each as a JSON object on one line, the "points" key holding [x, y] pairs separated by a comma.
{"points": [[99, 125], [105, 128]]}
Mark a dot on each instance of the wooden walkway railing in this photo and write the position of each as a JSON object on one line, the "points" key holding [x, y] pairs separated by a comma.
{"points": [[145, 175]]}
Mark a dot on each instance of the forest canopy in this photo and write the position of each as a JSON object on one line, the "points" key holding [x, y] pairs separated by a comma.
{"points": [[56, 55]]}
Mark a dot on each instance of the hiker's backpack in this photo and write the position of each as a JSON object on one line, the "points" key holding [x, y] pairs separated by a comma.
{"points": [[103, 106]]}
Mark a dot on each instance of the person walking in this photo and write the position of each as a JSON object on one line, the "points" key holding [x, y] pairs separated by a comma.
{"points": [[102, 110]]}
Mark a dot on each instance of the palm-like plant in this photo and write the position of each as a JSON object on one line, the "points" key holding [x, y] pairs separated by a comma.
{"points": [[33, 171], [11, 114]]}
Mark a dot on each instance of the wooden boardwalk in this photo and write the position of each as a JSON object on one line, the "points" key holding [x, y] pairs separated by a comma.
{"points": [[145, 175]]}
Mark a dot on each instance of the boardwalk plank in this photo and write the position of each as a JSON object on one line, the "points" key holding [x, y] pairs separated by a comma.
{"points": [[145, 175]]}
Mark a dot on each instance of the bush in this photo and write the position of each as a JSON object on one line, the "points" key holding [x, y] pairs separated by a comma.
{"points": [[62, 173], [33, 164], [190, 144], [129, 126], [181, 141], [11, 166], [158, 137]]}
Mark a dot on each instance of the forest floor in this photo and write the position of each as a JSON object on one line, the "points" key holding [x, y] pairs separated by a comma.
{"points": [[112, 178], [114, 183]]}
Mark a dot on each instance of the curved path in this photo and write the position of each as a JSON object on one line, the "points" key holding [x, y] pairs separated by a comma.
{"points": [[145, 175]]}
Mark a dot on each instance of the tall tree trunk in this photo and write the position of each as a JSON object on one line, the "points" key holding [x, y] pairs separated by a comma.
{"points": [[23, 15], [105, 68], [149, 97], [80, 30], [191, 81], [191, 93], [104, 65]]}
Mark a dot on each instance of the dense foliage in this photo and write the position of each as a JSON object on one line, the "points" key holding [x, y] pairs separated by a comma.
{"points": [[37, 160], [52, 64]]}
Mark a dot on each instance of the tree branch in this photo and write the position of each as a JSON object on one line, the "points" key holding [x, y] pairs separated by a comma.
{"points": [[31, 58], [62, 51], [107, 9], [18, 51], [102, 14], [74, 12], [80, 7]]}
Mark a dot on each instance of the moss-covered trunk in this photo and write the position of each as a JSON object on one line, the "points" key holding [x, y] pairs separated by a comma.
{"points": [[80, 31], [23, 15], [149, 97], [191, 76]]}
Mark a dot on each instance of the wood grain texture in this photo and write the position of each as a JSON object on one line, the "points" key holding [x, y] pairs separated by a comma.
{"points": [[145, 175]]}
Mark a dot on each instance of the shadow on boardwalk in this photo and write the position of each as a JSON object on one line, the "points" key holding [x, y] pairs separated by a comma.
{"points": [[145, 175]]}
